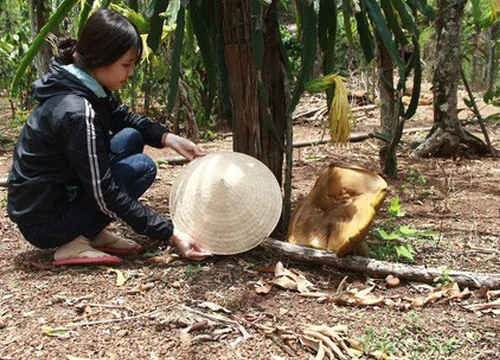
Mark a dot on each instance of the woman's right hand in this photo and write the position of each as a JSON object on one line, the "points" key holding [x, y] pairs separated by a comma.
{"points": [[188, 247]]}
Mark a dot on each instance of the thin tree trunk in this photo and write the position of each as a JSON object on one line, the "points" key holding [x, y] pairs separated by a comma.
{"points": [[447, 135], [476, 73], [39, 16], [273, 76], [492, 62], [388, 115]]}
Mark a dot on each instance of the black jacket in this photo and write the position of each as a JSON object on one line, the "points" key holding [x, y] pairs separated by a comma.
{"points": [[65, 145]]}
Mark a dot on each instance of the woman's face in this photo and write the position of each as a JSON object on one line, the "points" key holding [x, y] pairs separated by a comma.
{"points": [[115, 75]]}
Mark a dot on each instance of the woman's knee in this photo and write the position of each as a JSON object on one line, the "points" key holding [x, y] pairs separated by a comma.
{"points": [[127, 142], [149, 164], [136, 173]]}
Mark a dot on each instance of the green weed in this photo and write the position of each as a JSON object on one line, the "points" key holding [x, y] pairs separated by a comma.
{"points": [[3, 201], [444, 278], [193, 269], [397, 237], [412, 340]]}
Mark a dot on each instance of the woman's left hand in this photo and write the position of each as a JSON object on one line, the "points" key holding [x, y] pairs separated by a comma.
{"points": [[183, 146], [188, 247]]}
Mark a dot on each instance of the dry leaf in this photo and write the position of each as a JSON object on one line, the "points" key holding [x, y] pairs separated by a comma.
{"points": [[120, 278], [290, 279], [492, 294], [41, 266], [167, 259], [61, 332], [201, 325], [140, 288], [214, 307], [486, 307], [285, 282], [265, 269], [262, 287]]}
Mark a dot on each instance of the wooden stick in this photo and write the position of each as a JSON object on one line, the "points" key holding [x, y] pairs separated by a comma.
{"points": [[379, 268], [478, 114], [127, 318], [219, 318]]}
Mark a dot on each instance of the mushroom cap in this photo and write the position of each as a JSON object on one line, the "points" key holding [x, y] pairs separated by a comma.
{"points": [[339, 211]]}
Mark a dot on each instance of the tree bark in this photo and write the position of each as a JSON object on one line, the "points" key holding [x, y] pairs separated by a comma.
{"points": [[447, 136], [379, 268], [492, 62], [388, 115], [258, 127], [39, 16]]}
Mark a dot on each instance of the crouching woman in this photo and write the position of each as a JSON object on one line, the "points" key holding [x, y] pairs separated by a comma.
{"points": [[78, 163]]}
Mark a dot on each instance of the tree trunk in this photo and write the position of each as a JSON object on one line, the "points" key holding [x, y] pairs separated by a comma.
{"points": [[476, 73], [258, 126], [447, 136], [492, 62], [39, 15], [388, 115]]}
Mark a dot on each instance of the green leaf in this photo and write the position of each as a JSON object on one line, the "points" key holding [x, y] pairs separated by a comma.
{"points": [[405, 230], [379, 23], [395, 208], [327, 29], [392, 21], [405, 251], [176, 60], [347, 14], [406, 16], [62, 10], [135, 18], [384, 235], [492, 94], [428, 233], [365, 36], [156, 23], [85, 8], [309, 41], [424, 8], [416, 65], [203, 19]]}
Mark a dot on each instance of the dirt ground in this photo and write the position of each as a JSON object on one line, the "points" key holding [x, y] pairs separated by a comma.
{"points": [[225, 307]]}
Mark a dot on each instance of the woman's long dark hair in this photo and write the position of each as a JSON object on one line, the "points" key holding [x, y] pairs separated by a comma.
{"points": [[106, 36]]}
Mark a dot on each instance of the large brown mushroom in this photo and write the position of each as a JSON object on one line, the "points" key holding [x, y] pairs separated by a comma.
{"points": [[339, 211]]}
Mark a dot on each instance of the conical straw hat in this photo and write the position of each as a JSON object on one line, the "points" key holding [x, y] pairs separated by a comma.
{"points": [[227, 201]]}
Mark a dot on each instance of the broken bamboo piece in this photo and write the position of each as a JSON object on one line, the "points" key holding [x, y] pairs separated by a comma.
{"points": [[380, 268]]}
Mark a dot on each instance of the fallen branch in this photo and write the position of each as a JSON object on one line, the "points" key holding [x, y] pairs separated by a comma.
{"points": [[379, 268], [127, 318], [219, 318], [179, 160]]}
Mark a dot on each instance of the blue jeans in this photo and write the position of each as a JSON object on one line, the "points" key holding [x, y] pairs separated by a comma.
{"points": [[134, 172]]}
